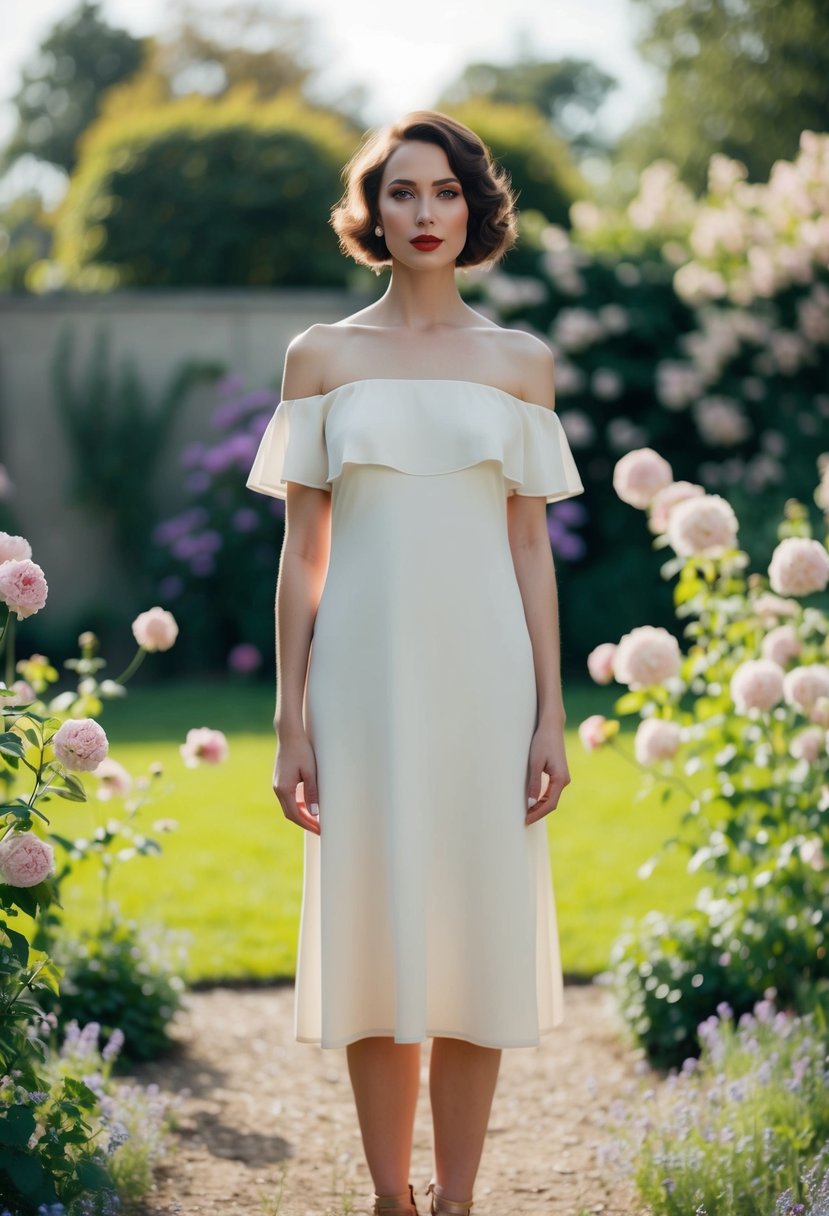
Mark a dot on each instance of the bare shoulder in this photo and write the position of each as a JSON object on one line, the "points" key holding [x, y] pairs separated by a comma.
{"points": [[304, 357], [533, 366]]}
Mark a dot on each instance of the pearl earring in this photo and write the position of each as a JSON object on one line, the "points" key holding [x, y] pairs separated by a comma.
{"points": [[378, 231]]}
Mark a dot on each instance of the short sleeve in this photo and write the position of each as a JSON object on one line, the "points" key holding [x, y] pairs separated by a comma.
{"points": [[549, 468], [291, 449]]}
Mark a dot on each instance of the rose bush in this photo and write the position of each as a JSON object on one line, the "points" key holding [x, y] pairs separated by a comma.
{"points": [[737, 727], [45, 742], [698, 327]]}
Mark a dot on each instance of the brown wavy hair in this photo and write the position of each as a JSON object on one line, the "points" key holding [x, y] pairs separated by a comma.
{"points": [[492, 227]]}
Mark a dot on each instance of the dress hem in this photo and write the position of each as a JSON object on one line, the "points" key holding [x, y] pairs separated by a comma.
{"points": [[443, 1034]]}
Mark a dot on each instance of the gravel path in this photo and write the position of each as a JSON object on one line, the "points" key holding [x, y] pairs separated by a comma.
{"points": [[269, 1125]]}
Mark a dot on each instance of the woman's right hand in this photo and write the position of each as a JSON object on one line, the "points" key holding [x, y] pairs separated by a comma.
{"points": [[295, 763]]}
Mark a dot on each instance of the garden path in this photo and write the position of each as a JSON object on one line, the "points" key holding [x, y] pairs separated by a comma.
{"points": [[269, 1125]]}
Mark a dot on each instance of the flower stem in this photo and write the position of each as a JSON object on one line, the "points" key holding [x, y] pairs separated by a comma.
{"points": [[8, 637], [137, 660]]}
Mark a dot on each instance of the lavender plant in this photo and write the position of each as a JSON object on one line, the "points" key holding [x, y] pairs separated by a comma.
{"points": [[741, 1131]]}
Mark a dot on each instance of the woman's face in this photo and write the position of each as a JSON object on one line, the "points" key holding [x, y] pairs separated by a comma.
{"points": [[420, 196]]}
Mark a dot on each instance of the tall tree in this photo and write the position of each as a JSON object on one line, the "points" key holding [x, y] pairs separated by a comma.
{"points": [[63, 83], [743, 77], [566, 92], [251, 43]]}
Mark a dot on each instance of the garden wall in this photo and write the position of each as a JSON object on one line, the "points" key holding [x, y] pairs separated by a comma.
{"points": [[158, 331]]}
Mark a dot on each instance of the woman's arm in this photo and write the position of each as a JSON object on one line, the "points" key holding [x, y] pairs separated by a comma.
{"points": [[534, 569], [302, 569]]}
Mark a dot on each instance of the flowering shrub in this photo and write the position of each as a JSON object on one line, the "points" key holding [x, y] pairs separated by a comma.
{"points": [[125, 1131], [741, 1131], [698, 327], [223, 540], [743, 716], [46, 1151], [126, 980]]}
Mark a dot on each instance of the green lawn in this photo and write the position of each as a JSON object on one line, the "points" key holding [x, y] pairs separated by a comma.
{"points": [[232, 874]]}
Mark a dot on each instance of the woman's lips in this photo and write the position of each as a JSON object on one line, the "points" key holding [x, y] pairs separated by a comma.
{"points": [[426, 242]]}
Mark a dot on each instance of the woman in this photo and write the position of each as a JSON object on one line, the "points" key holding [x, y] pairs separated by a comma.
{"points": [[416, 445]]}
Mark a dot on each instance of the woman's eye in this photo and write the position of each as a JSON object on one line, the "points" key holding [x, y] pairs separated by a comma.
{"points": [[448, 190]]}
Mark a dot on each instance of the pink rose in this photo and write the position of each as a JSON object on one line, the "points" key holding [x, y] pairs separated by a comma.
{"points": [[647, 655], [666, 499], [23, 587], [600, 662], [155, 629], [809, 744], [24, 694], [781, 644], [596, 730], [803, 685], [639, 475], [757, 684], [819, 712], [14, 548], [799, 566], [204, 744], [656, 739], [80, 744], [114, 778], [25, 859], [771, 607], [702, 527]]}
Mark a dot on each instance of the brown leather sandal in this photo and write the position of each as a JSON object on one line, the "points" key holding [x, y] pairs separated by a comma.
{"points": [[395, 1205], [450, 1206]]}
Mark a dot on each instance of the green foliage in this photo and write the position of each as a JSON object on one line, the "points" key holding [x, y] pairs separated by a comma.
{"points": [[698, 327], [742, 79], [202, 193], [755, 823], [117, 437], [670, 973], [744, 1130], [566, 92], [123, 979], [63, 84], [25, 238]]}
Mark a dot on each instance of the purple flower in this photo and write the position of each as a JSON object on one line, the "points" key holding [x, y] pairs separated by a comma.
{"points": [[244, 657], [179, 525], [235, 451], [114, 1045], [229, 413]]}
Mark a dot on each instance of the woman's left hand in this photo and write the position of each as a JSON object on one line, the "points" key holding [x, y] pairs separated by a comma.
{"points": [[547, 758]]}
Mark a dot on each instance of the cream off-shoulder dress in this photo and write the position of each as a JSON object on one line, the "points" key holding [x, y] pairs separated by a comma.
{"points": [[427, 904]]}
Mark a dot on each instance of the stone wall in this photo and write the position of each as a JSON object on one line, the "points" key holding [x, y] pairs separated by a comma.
{"points": [[247, 331]]}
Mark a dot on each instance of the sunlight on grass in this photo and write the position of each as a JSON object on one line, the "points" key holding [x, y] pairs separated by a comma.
{"points": [[231, 875]]}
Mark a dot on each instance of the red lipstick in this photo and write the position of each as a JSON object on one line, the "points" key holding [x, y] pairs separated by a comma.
{"points": [[426, 242]]}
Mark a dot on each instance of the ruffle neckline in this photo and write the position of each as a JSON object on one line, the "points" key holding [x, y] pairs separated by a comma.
{"points": [[311, 439]]}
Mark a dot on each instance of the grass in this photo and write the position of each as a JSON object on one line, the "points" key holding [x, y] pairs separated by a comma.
{"points": [[231, 875]]}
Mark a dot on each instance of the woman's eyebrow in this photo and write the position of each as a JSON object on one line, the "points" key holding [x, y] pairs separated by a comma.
{"points": [[405, 181]]}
